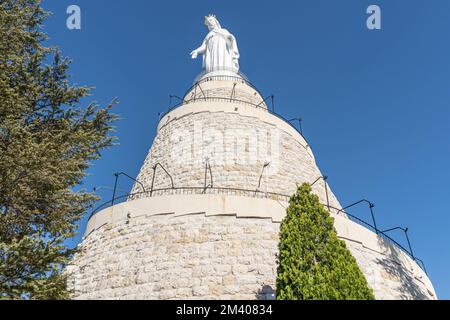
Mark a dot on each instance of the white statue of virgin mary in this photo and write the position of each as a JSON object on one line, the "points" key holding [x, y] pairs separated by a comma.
{"points": [[219, 49]]}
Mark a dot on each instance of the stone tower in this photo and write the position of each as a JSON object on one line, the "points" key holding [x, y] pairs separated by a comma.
{"points": [[202, 221]]}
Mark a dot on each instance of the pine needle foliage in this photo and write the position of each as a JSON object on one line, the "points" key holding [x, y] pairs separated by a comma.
{"points": [[313, 263], [48, 140]]}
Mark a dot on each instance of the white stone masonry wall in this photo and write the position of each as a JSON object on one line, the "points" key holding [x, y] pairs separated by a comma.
{"points": [[198, 257], [183, 144]]}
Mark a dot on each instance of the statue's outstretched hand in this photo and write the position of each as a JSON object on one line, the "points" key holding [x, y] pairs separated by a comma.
{"points": [[194, 54]]}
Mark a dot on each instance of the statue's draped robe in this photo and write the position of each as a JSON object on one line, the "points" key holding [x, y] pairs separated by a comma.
{"points": [[221, 51]]}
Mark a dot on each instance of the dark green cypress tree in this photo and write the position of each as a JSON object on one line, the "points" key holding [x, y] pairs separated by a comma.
{"points": [[313, 263], [47, 142]]}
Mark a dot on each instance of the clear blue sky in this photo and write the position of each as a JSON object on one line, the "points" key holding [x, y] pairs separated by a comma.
{"points": [[376, 104]]}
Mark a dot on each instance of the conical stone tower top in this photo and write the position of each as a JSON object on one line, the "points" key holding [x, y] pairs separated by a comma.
{"points": [[222, 137]]}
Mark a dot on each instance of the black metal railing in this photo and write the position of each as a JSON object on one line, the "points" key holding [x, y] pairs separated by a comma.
{"points": [[209, 189], [384, 235], [233, 100], [242, 79], [239, 76], [236, 79], [189, 190]]}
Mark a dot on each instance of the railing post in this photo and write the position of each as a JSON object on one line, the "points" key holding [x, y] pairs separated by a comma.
{"points": [[131, 178], [171, 100], [300, 128], [195, 91], [208, 168], [325, 178], [409, 244], [203, 93], [115, 188], [273, 103], [206, 176], [266, 164], [167, 173], [264, 101], [153, 180], [211, 175], [233, 92], [371, 206]]}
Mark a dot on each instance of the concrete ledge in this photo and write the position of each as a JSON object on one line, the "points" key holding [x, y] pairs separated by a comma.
{"points": [[180, 205]]}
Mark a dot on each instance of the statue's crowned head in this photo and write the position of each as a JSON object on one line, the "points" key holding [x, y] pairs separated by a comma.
{"points": [[211, 22]]}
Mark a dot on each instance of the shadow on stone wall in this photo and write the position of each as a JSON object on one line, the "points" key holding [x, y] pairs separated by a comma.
{"points": [[408, 287], [266, 293]]}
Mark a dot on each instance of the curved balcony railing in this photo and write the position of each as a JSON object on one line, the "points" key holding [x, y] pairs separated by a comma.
{"points": [[256, 194], [226, 72], [233, 100], [239, 78], [222, 78]]}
